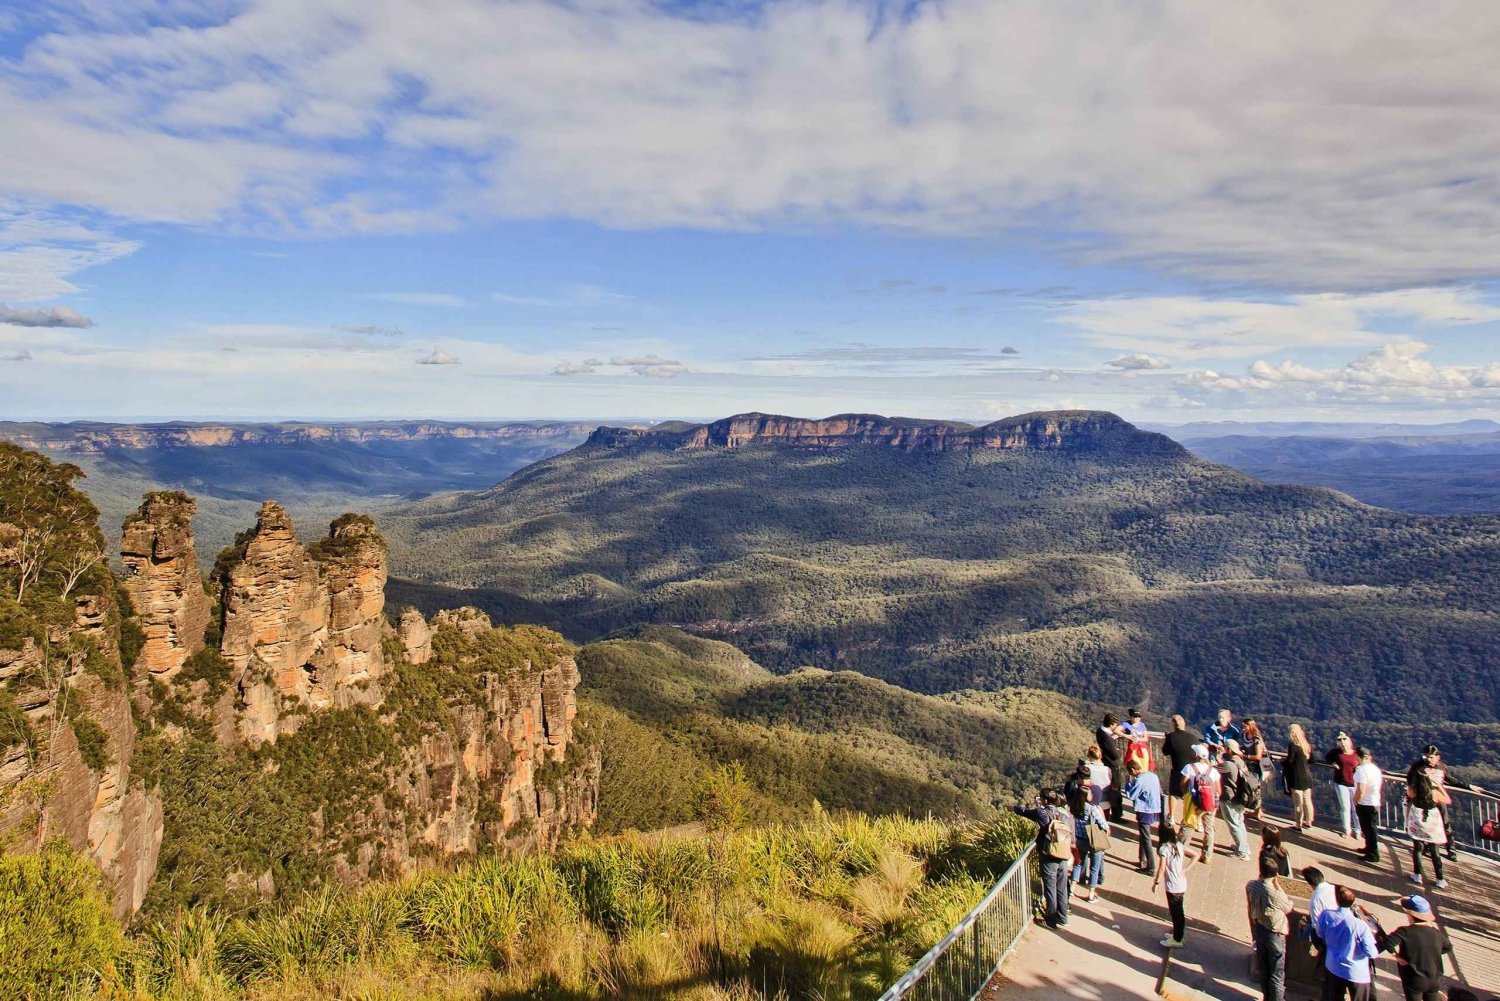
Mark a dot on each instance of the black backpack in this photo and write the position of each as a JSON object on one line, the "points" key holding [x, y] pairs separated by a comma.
{"points": [[1419, 789], [1247, 790]]}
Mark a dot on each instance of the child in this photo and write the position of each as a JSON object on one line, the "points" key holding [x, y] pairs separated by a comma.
{"points": [[1173, 870]]}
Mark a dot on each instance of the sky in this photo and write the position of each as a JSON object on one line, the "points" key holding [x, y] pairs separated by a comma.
{"points": [[508, 209]]}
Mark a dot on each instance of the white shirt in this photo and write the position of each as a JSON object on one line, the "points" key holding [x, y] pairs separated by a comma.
{"points": [[1368, 776], [1176, 877], [1099, 774], [1323, 899]]}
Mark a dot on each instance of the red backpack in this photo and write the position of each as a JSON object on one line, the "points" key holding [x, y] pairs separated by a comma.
{"points": [[1204, 790]]}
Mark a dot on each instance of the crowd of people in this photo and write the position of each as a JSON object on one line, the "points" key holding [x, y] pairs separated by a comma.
{"points": [[1220, 774]]}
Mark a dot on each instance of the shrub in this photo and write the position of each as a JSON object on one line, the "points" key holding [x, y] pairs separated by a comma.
{"points": [[57, 932]]}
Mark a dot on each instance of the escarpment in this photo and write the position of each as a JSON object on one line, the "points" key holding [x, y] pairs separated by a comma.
{"points": [[1057, 431]]}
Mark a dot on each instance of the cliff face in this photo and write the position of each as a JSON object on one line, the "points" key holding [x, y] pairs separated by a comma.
{"points": [[301, 629], [57, 787], [164, 582], [1063, 431], [87, 438]]}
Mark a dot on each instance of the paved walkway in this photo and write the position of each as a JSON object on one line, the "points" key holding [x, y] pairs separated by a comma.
{"points": [[1109, 949]]}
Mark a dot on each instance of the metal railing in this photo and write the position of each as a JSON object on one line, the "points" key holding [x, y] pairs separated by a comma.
{"points": [[958, 967], [1466, 814]]}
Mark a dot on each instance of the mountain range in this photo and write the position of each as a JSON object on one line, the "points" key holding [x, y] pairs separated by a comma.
{"points": [[1068, 550]]}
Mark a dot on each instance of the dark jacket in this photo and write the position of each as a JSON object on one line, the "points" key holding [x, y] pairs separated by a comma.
{"points": [[1296, 771]]}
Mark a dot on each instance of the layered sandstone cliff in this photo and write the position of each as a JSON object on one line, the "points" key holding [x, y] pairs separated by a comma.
{"points": [[164, 582], [1080, 431]]}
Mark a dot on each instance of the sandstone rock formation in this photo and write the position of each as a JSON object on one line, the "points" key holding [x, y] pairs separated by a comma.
{"points": [[1068, 430], [164, 582], [301, 629]]}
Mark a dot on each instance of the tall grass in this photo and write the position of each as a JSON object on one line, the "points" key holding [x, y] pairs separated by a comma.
{"points": [[828, 908]]}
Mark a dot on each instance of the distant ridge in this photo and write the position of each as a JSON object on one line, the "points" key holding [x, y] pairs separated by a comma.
{"points": [[1061, 431], [99, 436]]}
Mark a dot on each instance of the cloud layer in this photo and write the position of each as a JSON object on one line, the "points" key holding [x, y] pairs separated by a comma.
{"points": [[1334, 145], [56, 316]]}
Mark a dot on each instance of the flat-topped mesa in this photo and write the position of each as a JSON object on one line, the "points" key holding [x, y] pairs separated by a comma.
{"points": [[301, 629], [164, 582], [1062, 431]]}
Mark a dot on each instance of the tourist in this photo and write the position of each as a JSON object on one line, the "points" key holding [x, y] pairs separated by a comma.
{"points": [[1254, 751], [1348, 947], [1054, 849], [1107, 737], [1344, 760], [1088, 820], [1234, 779], [1101, 776], [1144, 793], [1296, 776], [1138, 741], [1424, 825], [1323, 899], [1271, 847], [1268, 907], [1220, 730], [1173, 871], [1080, 782], [1202, 794], [1367, 782], [1437, 771], [1178, 748], [1419, 949]]}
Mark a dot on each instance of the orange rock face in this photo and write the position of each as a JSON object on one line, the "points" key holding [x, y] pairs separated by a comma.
{"points": [[164, 582]]}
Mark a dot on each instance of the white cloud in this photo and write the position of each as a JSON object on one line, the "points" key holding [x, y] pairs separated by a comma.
{"points": [[438, 357], [1199, 327], [373, 330], [651, 365], [1314, 145], [1138, 363], [56, 316], [586, 367], [442, 299], [22, 355]]}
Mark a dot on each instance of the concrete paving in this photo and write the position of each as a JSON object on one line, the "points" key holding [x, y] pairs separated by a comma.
{"points": [[1109, 949]]}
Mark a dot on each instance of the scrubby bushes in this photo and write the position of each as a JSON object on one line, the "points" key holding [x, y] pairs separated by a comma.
{"points": [[57, 933]]}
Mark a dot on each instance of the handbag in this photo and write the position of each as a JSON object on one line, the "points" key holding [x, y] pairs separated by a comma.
{"points": [[1099, 840]]}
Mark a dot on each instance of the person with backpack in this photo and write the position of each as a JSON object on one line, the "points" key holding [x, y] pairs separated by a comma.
{"points": [[1202, 794], [1108, 738], [1091, 836], [1144, 792], [1177, 745], [1269, 910], [1367, 782], [1054, 850], [1424, 824], [1173, 871], [1241, 793], [1348, 948], [1344, 760], [1296, 776], [1419, 948]]}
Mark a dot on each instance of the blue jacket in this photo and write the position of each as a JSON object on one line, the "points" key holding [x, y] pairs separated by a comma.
{"points": [[1144, 793]]}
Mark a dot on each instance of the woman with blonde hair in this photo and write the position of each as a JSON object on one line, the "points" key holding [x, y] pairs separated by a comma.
{"points": [[1296, 776]]}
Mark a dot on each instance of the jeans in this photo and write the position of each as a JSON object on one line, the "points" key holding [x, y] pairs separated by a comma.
{"points": [[1177, 907], [1270, 952], [1369, 819], [1148, 849], [1055, 891], [1418, 849], [1346, 806], [1092, 866], [1234, 816]]}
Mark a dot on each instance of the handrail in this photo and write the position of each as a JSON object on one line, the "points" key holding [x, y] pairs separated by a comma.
{"points": [[982, 969]]}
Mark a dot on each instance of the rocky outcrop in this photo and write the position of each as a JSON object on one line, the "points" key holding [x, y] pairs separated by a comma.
{"points": [[301, 629], [1064, 431], [415, 637], [164, 582], [55, 787]]}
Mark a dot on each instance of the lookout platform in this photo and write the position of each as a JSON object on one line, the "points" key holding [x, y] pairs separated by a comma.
{"points": [[1110, 949]]}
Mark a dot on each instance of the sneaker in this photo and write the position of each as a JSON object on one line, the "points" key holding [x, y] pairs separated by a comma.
{"points": [[1441, 884], [1242, 856], [1093, 896], [1415, 879], [1171, 943]]}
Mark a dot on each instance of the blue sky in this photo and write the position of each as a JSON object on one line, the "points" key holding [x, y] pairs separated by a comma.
{"points": [[493, 210]]}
